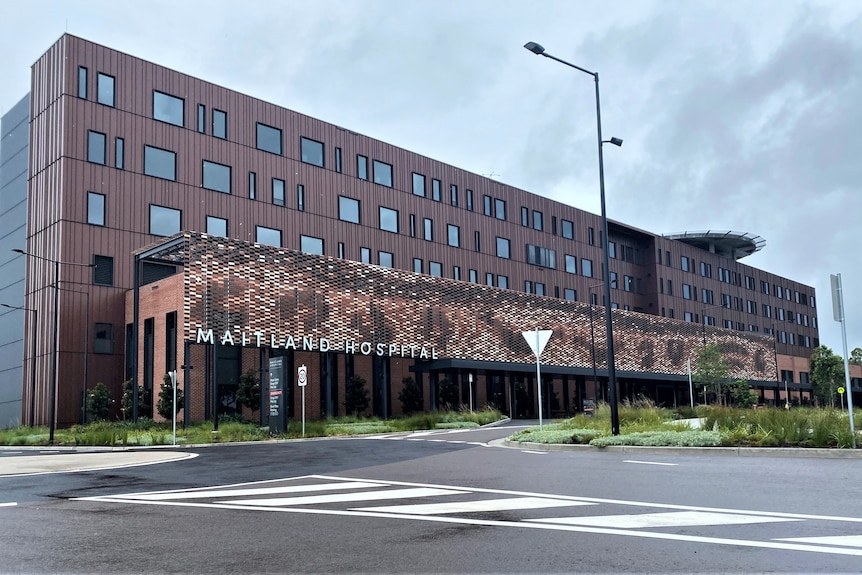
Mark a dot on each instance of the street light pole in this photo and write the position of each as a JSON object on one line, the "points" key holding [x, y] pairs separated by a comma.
{"points": [[32, 361], [612, 372]]}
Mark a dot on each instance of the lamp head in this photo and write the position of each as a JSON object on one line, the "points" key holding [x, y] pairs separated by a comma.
{"points": [[616, 141], [19, 251], [534, 48]]}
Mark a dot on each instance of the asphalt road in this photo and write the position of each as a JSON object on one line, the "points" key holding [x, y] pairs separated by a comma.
{"points": [[433, 502]]}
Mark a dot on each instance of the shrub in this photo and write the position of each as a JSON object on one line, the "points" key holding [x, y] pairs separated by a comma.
{"points": [[692, 438], [165, 406], [553, 434], [99, 402], [356, 397], [248, 391], [410, 396]]}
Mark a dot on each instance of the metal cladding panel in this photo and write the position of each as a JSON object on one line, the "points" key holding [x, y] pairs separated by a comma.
{"points": [[244, 289]]}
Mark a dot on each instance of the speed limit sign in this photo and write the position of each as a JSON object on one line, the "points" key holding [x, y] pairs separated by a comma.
{"points": [[302, 376]]}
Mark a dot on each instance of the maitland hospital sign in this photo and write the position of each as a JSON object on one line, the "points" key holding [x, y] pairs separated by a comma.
{"points": [[321, 344]]}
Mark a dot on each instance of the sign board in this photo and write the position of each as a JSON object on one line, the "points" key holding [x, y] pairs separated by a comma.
{"points": [[302, 376], [840, 391], [537, 346], [837, 299], [277, 407]]}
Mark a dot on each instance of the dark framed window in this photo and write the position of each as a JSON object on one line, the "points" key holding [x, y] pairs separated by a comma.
{"points": [[503, 248], [412, 225], [268, 139], [95, 209], [612, 250], [103, 339], [278, 192], [541, 256], [105, 90], [477, 242], [489, 279], [268, 236], [348, 209], [120, 153], [338, 166], [428, 229], [164, 221], [570, 294], [300, 197], [417, 265], [103, 270], [538, 221], [311, 151], [389, 219], [586, 267], [684, 263], [216, 177], [503, 282], [217, 226], [453, 234], [473, 276], [525, 216], [386, 259], [488, 205], [456, 272], [361, 167], [435, 269], [311, 245], [571, 264], [82, 82], [202, 119], [469, 200], [500, 209], [435, 190], [382, 173], [568, 229], [418, 185], [220, 124], [252, 186], [341, 250], [167, 108], [160, 163], [453, 195], [96, 147], [365, 255]]}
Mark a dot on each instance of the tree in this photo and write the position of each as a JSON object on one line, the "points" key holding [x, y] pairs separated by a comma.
{"points": [[447, 394], [827, 370], [166, 398], [856, 356], [741, 394], [711, 369], [410, 396], [126, 400], [356, 396], [99, 402], [248, 391]]}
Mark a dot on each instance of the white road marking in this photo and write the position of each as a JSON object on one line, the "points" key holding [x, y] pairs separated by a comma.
{"points": [[507, 504], [347, 497], [649, 462], [534, 452], [10, 504], [842, 540], [257, 491], [455, 441], [438, 440], [673, 519]]}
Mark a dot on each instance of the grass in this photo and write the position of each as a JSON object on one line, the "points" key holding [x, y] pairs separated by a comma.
{"points": [[146, 432]]}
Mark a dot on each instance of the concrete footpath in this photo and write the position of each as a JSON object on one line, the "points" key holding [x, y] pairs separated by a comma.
{"points": [[14, 462]]}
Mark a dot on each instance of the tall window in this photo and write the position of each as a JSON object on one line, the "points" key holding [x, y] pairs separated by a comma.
{"points": [[164, 221], [220, 124], [469, 200], [105, 90], [103, 340], [365, 255], [202, 119], [586, 267], [95, 209], [82, 82], [268, 236], [268, 139], [487, 205], [388, 219], [382, 173], [453, 195], [503, 250], [435, 190], [216, 177], [103, 270], [454, 235], [311, 245], [456, 272], [361, 167], [428, 229], [300, 197], [311, 151], [386, 259], [684, 263], [338, 166], [571, 264], [568, 229], [167, 108], [538, 221], [252, 186], [278, 192], [418, 185], [500, 209], [435, 269], [120, 153], [525, 216], [160, 163], [96, 147], [217, 226], [417, 265]]}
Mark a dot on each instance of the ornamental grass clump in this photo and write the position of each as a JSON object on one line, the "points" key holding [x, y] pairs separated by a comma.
{"points": [[691, 438]]}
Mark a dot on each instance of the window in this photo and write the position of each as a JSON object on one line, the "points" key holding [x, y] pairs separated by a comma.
{"points": [[167, 108], [751, 284], [418, 185], [311, 245], [216, 177], [453, 195], [456, 272], [612, 250], [428, 229], [751, 306], [469, 200], [454, 235], [95, 209], [300, 197], [202, 119], [586, 267], [614, 280], [503, 248], [539, 256], [278, 192], [764, 287], [412, 225], [688, 316], [160, 163], [503, 282], [268, 236], [361, 167], [217, 226], [164, 221], [670, 289], [500, 209], [525, 216], [417, 265], [705, 270], [477, 242], [386, 259], [570, 294], [382, 173], [685, 263], [571, 264], [103, 270], [82, 82], [269, 139], [120, 153], [252, 186], [489, 279], [365, 255], [96, 147], [348, 209], [435, 190], [687, 291], [435, 269], [538, 221], [707, 296], [338, 164], [474, 276], [341, 250], [487, 205], [568, 230], [540, 288], [388, 220], [220, 124], [628, 283], [103, 340], [105, 89], [311, 151]]}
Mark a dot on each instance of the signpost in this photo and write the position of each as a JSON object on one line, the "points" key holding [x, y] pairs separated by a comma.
{"points": [[173, 375], [838, 314], [537, 340], [277, 409], [302, 381]]}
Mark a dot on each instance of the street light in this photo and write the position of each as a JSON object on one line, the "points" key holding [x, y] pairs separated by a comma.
{"points": [[52, 423], [33, 362], [778, 377], [612, 372]]}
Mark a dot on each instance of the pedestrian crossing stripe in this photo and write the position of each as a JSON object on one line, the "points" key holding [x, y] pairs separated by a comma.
{"points": [[485, 505], [673, 519], [347, 497], [842, 540]]}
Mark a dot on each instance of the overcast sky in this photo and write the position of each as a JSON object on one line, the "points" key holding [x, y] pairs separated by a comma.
{"points": [[736, 115]]}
